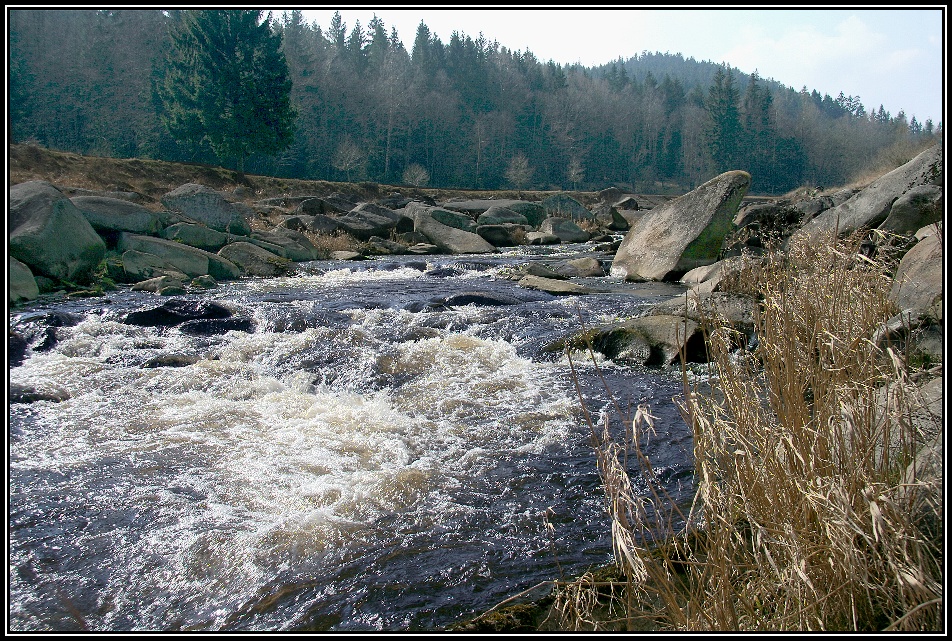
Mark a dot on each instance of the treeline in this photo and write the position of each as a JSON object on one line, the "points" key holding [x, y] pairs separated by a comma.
{"points": [[468, 113]]}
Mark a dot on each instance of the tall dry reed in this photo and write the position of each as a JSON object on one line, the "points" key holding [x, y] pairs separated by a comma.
{"points": [[803, 518]]}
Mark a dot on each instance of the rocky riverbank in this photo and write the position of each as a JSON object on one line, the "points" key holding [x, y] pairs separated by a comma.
{"points": [[188, 237]]}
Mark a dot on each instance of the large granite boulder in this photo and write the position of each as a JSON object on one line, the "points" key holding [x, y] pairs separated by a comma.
{"points": [[533, 212], [188, 260], [210, 208], [448, 239], [368, 219], [198, 236], [501, 216], [871, 206], [682, 234], [565, 229], [502, 235], [555, 286], [918, 283], [48, 233], [255, 261], [652, 341], [113, 214], [608, 217], [139, 266], [564, 206], [291, 244], [918, 207], [22, 283]]}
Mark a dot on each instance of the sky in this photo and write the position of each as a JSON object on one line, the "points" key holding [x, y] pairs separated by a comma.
{"points": [[892, 57]]}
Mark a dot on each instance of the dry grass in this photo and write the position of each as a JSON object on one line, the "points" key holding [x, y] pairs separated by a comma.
{"points": [[802, 518]]}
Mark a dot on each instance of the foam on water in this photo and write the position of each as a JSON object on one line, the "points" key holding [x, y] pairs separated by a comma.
{"points": [[241, 467]]}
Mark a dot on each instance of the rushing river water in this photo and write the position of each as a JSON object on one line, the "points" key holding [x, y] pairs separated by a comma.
{"points": [[362, 458]]}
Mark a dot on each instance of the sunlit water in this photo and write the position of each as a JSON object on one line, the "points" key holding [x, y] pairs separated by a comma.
{"points": [[363, 459]]}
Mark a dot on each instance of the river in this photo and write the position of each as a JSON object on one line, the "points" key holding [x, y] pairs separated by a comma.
{"points": [[363, 458]]}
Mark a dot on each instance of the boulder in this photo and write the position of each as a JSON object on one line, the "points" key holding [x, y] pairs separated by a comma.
{"points": [[585, 267], [254, 260], [368, 220], [22, 284], [541, 270], [564, 206], [139, 266], [377, 246], [479, 299], [288, 243], [649, 341], [448, 239], [871, 206], [48, 233], [682, 234], [611, 195], [554, 286], [114, 214], [502, 235], [501, 216], [161, 285], [918, 281], [210, 208], [609, 218], [542, 238], [735, 310], [34, 392], [918, 207], [175, 312], [333, 204], [346, 255], [628, 202], [189, 260], [534, 212], [193, 235], [565, 229]]}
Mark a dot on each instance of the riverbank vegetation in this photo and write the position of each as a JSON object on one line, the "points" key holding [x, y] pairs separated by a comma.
{"points": [[807, 514]]}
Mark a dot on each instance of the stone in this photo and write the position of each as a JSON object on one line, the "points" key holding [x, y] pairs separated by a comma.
{"points": [[918, 207], [141, 266], [209, 207], [23, 285], [682, 234], [190, 261], [254, 260], [564, 206], [448, 239], [565, 229], [48, 233], [918, 282], [119, 215], [871, 206], [501, 215], [177, 311], [193, 235], [553, 286]]}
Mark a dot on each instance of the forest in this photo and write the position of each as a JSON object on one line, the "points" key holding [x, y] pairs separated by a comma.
{"points": [[467, 114]]}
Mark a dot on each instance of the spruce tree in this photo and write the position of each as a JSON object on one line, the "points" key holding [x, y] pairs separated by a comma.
{"points": [[228, 84], [724, 125]]}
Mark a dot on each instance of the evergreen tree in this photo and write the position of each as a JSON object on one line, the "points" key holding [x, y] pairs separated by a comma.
{"points": [[228, 84], [724, 127]]}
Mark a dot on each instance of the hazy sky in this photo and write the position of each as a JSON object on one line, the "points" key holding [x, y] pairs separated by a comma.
{"points": [[892, 57]]}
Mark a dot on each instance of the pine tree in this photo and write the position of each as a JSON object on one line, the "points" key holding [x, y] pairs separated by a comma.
{"points": [[724, 126], [228, 84]]}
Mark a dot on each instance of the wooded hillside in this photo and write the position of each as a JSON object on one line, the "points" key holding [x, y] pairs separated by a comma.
{"points": [[464, 114]]}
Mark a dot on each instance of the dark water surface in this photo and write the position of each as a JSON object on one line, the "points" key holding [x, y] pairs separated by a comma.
{"points": [[365, 458]]}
